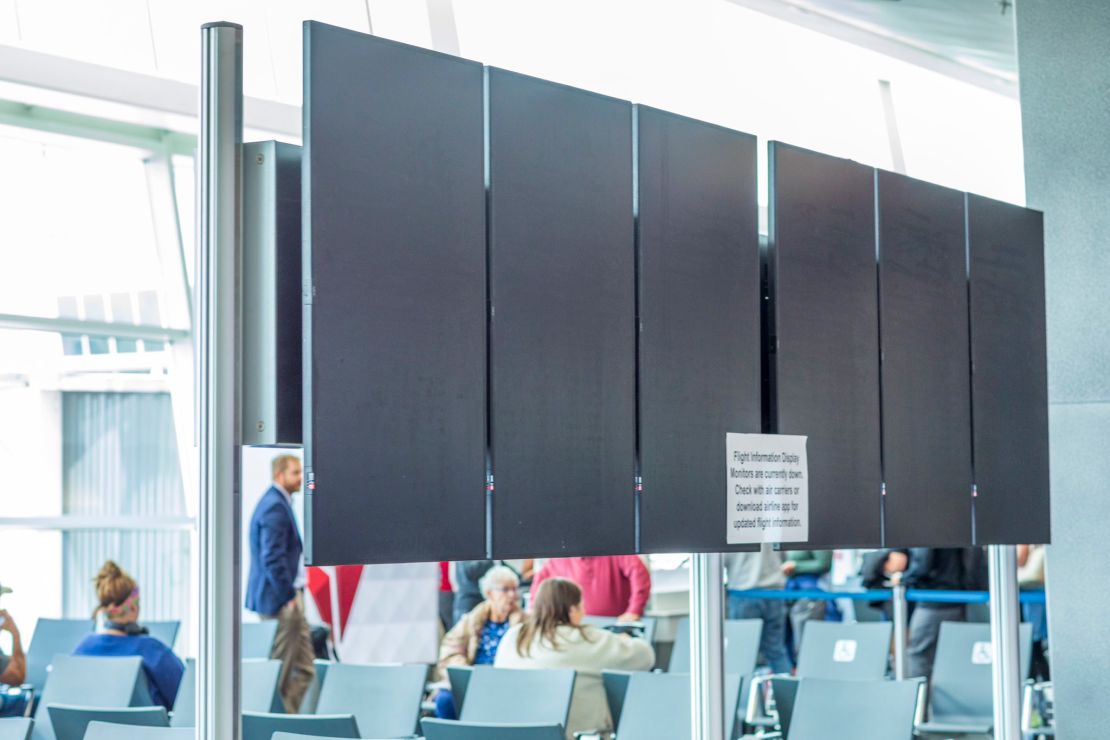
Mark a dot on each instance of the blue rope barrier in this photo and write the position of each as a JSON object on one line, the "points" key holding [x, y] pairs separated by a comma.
{"points": [[811, 593], [913, 594]]}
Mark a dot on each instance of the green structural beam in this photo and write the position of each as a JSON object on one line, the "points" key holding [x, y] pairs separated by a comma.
{"points": [[52, 120]]}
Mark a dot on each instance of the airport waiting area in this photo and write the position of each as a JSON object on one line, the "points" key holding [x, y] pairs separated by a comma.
{"points": [[554, 370], [809, 652]]}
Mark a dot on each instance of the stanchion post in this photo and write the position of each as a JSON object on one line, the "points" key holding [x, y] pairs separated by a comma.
{"points": [[1005, 625], [219, 246], [707, 622], [900, 615]]}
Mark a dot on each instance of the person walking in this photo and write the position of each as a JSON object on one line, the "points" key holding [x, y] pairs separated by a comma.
{"points": [[275, 584]]}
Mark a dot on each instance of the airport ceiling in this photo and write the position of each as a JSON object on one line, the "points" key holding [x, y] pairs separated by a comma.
{"points": [[977, 35]]}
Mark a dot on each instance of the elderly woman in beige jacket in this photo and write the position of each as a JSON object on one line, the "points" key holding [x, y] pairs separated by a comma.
{"points": [[553, 636], [475, 637]]}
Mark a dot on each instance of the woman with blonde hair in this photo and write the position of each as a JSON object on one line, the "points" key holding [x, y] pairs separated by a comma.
{"points": [[553, 636], [119, 634]]}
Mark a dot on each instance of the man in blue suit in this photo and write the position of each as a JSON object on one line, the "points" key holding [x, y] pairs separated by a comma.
{"points": [[275, 585]]}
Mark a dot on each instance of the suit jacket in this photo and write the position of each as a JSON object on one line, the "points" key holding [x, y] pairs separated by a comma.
{"points": [[276, 550]]}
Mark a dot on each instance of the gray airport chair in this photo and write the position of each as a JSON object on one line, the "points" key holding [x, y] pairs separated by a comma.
{"points": [[259, 686], [644, 625], [872, 710], [741, 646], [300, 736], [516, 696], [615, 684], [657, 706], [70, 722], [439, 729], [16, 728], [262, 726], [164, 632], [257, 639], [844, 651], [961, 698], [185, 705], [52, 637], [459, 678], [91, 682], [385, 699], [312, 695], [108, 731], [839, 651]]}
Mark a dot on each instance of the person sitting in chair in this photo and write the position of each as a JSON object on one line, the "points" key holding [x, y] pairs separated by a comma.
{"points": [[474, 638], [553, 636], [120, 634]]}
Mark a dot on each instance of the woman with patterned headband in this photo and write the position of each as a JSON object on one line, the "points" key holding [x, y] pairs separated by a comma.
{"points": [[119, 634]]}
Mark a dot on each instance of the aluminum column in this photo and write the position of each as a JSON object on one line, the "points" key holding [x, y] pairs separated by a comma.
{"points": [[900, 614], [707, 623], [1005, 623], [219, 246]]}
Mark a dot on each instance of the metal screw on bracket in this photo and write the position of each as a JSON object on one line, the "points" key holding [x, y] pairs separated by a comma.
{"points": [[261, 426], [259, 159]]}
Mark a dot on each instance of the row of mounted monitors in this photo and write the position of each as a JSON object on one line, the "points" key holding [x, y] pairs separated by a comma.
{"points": [[510, 276]]}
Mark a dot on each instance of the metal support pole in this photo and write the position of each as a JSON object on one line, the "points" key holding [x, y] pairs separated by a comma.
{"points": [[707, 624], [900, 615], [219, 245], [1005, 624]]}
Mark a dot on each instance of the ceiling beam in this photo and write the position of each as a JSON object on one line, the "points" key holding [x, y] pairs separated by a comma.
{"points": [[807, 16], [49, 72], [93, 328]]}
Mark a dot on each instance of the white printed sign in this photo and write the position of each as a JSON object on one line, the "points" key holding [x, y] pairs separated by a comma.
{"points": [[844, 651], [768, 488], [982, 653]]}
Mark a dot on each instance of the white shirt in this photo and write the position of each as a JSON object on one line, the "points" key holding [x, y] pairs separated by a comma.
{"points": [[301, 578]]}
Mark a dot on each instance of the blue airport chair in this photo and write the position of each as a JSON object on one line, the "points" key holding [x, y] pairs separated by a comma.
{"points": [[459, 678], [91, 682], [657, 706], [961, 696], [870, 710], [257, 639], [52, 637], [385, 699], [615, 684], [185, 705], [16, 728], [108, 731], [518, 696], [164, 632], [259, 686], [312, 695], [262, 726], [440, 729], [70, 722]]}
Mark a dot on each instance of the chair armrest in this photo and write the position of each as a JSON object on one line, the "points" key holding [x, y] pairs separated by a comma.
{"points": [[755, 698]]}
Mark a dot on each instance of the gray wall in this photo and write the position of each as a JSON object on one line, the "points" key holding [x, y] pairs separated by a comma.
{"points": [[1063, 52]]}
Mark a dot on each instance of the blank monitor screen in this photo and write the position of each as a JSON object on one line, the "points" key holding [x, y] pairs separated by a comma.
{"points": [[395, 336], [826, 323], [925, 363], [1009, 378], [699, 344], [562, 341]]}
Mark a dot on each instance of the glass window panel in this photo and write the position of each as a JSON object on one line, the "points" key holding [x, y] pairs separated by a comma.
{"points": [[74, 221]]}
